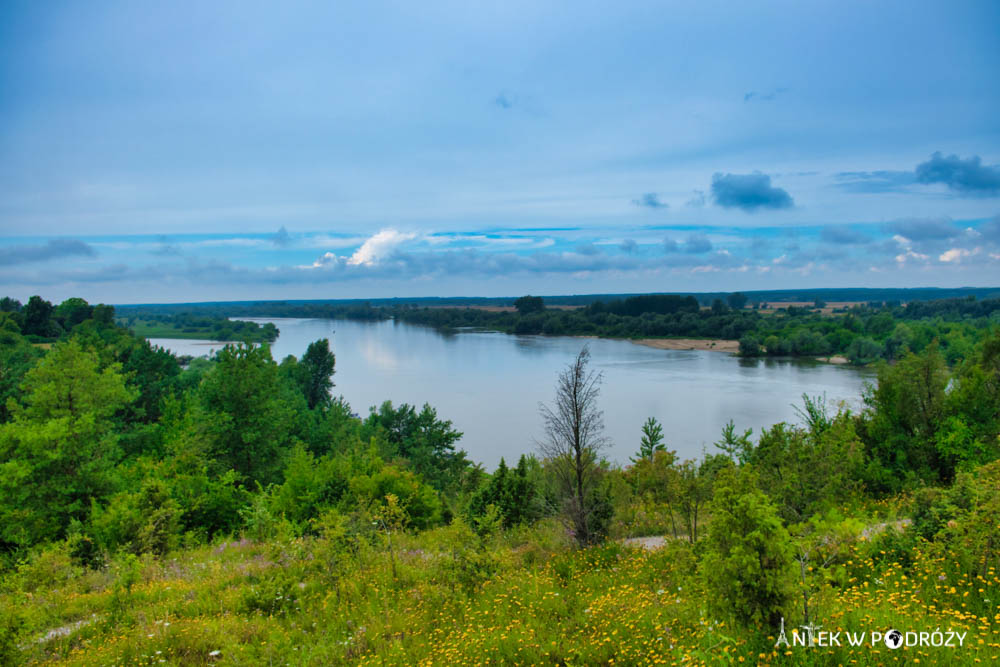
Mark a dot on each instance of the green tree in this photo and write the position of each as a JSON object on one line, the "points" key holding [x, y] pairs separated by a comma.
{"points": [[318, 365], [72, 312], [58, 452], [529, 304], [899, 427], [806, 471], [658, 478], [428, 443], [747, 567], [737, 447], [651, 441], [37, 317], [737, 300], [246, 413], [512, 492]]}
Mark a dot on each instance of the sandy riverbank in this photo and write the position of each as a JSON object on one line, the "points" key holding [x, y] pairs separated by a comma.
{"points": [[717, 345]]}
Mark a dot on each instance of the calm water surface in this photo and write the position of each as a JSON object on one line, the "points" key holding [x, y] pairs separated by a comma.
{"points": [[489, 385]]}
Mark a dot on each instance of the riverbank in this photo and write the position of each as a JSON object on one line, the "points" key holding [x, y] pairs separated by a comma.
{"points": [[711, 344]]}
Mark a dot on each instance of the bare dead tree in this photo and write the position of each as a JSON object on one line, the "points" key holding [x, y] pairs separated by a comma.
{"points": [[574, 435]]}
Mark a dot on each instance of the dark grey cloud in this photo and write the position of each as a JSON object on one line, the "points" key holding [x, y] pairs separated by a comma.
{"points": [[650, 200], [670, 245], [924, 229], [968, 176], [697, 244], [748, 192], [53, 249], [281, 238], [872, 182], [628, 245], [843, 235]]}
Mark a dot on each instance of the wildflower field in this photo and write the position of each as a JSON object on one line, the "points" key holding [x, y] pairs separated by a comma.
{"points": [[448, 596]]}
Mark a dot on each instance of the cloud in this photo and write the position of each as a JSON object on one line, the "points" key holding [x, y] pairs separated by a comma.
{"points": [[53, 249], [281, 238], [748, 192], [166, 249], [923, 229], [650, 200], [843, 235], [379, 246], [588, 249], [697, 199], [967, 176], [628, 246], [957, 254], [763, 97], [373, 251], [871, 182], [990, 230], [503, 101], [907, 251], [697, 244], [670, 245]]}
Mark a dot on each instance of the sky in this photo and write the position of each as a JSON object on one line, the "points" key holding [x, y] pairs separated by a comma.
{"points": [[192, 151]]}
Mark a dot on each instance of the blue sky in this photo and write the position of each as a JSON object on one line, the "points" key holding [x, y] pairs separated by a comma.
{"points": [[236, 150]]}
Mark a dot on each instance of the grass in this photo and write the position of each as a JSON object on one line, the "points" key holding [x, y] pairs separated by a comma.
{"points": [[446, 596]]}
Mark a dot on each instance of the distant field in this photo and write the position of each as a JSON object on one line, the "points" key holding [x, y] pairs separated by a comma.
{"points": [[825, 310], [503, 309]]}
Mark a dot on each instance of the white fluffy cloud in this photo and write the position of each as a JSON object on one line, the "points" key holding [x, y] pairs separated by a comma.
{"points": [[379, 246]]}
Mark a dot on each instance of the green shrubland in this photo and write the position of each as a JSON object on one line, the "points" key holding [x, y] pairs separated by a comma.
{"points": [[232, 512]]}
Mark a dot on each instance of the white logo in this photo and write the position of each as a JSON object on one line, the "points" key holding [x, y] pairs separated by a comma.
{"points": [[894, 639]]}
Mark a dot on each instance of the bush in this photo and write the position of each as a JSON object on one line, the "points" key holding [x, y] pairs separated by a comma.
{"points": [[748, 553]]}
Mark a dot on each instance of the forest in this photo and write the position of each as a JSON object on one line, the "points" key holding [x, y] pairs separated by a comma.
{"points": [[862, 333], [234, 511]]}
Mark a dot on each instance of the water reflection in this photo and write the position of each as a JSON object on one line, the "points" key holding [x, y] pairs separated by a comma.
{"points": [[490, 384]]}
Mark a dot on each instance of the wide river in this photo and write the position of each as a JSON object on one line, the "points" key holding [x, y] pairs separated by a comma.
{"points": [[490, 385]]}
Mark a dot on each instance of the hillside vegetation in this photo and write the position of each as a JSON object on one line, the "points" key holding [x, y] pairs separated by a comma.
{"points": [[234, 512]]}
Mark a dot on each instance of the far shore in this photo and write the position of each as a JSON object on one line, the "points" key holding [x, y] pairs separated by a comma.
{"points": [[712, 344]]}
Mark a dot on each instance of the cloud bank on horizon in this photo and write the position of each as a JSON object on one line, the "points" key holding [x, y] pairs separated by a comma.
{"points": [[175, 153]]}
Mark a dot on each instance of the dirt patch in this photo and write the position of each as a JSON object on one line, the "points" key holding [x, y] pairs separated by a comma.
{"points": [[835, 359], [648, 543], [716, 345]]}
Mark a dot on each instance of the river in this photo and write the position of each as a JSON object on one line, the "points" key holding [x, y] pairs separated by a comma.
{"points": [[490, 385]]}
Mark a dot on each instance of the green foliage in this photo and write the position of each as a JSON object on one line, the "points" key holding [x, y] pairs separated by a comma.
{"points": [[59, 450], [511, 494], [425, 442], [747, 566], [318, 363], [904, 411], [247, 412], [651, 441], [863, 350], [529, 304], [146, 521], [808, 471], [11, 626]]}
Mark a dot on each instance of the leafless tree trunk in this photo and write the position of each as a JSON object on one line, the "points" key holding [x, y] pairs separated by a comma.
{"points": [[574, 428]]}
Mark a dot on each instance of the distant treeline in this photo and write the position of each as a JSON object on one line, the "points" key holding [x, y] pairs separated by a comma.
{"points": [[321, 307], [863, 333], [197, 325]]}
